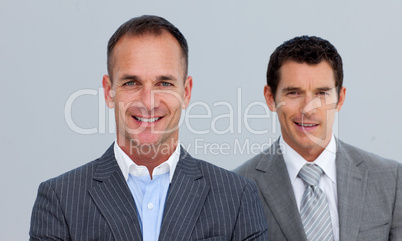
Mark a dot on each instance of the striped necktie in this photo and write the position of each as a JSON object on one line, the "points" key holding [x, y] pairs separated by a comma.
{"points": [[314, 209]]}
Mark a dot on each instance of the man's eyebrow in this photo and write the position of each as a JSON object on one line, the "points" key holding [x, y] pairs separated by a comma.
{"points": [[136, 78], [165, 77], [130, 77], [324, 88], [290, 88]]}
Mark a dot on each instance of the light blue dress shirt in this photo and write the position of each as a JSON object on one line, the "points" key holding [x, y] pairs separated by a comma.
{"points": [[149, 195]]}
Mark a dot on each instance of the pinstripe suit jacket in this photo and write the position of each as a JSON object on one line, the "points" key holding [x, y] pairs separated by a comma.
{"points": [[369, 195], [93, 202]]}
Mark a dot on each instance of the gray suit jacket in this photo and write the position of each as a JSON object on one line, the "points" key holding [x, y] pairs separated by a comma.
{"points": [[93, 202], [369, 195]]}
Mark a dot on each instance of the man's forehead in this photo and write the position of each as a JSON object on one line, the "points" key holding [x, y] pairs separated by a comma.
{"points": [[129, 40], [127, 44], [283, 84], [293, 74], [132, 40]]}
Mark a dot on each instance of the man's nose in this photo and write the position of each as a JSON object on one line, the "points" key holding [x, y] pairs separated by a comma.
{"points": [[310, 105], [149, 98]]}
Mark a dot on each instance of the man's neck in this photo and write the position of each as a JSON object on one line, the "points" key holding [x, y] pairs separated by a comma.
{"points": [[149, 156], [310, 154]]}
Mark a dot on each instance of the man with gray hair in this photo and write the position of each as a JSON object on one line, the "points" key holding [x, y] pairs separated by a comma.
{"points": [[146, 186]]}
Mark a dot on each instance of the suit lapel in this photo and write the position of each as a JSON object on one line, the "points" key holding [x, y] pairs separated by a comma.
{"points": [[278, 194], [185, 200], [114, 200], [351, 185]]}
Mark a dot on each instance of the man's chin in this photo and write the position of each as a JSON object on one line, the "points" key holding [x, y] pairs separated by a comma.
{"points": [[144, 143], [311, 141]]}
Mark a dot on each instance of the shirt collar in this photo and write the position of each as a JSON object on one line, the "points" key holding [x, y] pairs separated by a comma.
{"points": [[294, 161], [128, 166]]}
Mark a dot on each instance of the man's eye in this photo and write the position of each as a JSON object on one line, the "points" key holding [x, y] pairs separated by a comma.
{"points": [[166, 84], [129, 83], [322, 93], [291, 93]]}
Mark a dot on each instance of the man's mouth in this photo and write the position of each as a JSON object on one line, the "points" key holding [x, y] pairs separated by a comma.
{"points": [[305, 125], [147, 120]]}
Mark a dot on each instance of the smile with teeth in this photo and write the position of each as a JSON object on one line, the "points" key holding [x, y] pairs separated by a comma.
{"points": [[306, 125], [148, 120]]}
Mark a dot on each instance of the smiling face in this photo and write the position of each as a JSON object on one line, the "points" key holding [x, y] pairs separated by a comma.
{"points": [[306, 101], [148, 91]]}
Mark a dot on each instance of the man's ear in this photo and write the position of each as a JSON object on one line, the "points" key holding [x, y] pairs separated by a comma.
{"points": [[269, 98], [188, 86], [341, 99], [108, 91]]}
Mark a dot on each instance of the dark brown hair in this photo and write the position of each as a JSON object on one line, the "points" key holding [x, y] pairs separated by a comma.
{"points": [[304, 49]]}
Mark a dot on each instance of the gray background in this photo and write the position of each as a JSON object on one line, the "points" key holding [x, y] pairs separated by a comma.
{"points": [[51, 49]]}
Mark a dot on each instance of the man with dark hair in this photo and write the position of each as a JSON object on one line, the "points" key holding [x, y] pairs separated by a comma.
{"points": [[146, 186], [312, 185]]}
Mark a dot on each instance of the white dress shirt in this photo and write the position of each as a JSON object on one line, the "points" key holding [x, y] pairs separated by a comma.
{"points": [[294, 162]]}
